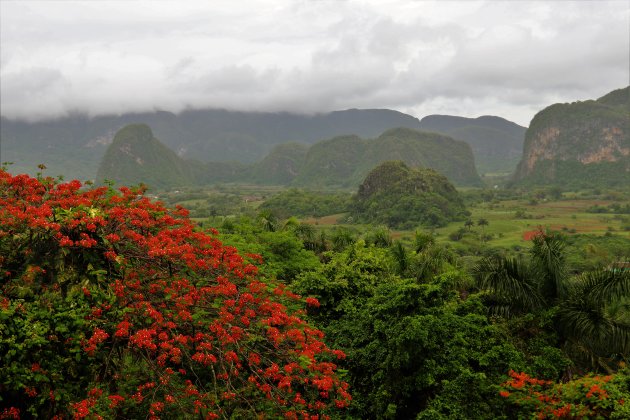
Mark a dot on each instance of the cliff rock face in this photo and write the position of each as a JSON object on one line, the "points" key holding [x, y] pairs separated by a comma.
{"points": [[579, 144]]}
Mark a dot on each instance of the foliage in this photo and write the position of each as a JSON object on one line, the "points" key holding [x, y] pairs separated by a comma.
{"points": [[302, 203], [113, 306], [590, 252], [592, 316], [584, 144], [413, 348], [590, 396], [285, 253], [397, 196]]}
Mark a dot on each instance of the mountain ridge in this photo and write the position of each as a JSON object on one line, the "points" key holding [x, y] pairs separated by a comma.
{"points": [[497, 143], [74, 145], [583, 143], [137, 156]]}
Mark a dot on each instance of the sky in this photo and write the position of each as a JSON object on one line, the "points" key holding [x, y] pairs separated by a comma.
{"points": [[467, 58]]}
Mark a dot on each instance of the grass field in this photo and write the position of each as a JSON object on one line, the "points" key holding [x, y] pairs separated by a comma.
{"points": [[509, 220]]}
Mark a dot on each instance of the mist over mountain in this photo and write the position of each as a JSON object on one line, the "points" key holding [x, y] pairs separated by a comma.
{"points": [[75, 145], [584, 143], [136, 156]]}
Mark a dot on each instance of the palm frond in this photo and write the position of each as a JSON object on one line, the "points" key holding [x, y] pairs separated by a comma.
{"points": [[549, 263], [605, 286], [585, 320], [510, 280]]}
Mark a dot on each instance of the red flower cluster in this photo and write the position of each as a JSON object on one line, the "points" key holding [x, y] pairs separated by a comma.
{"points": [[207, 335], [581, 398]]}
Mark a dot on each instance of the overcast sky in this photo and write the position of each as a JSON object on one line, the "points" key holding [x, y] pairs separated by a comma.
{"points": [[506, 58]]}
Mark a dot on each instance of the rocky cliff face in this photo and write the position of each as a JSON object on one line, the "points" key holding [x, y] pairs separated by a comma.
{"points": [[579, 143]]}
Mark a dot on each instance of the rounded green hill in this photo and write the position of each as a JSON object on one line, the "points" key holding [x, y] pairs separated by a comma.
{"points": [[401, 197]]}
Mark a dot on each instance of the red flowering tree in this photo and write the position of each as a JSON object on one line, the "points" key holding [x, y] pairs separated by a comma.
{"points": [[113, 305], [587, 397]]}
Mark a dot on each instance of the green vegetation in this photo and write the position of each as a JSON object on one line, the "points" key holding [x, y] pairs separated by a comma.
{"points": [[281, 165], [302, 203], [345, 161], [135, 156], [496, 143], [113, 306], [409, 299], [451, 158], [579, 144], [588, 323], [331, 162], [74, 145], [397, 196]]}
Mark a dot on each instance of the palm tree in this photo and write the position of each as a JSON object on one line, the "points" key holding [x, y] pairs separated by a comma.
{"points": [[400, 256], [422, 241], [593, 310], [268, 220], [595, 317], [380, 237], [341, 238], [306, 233]]}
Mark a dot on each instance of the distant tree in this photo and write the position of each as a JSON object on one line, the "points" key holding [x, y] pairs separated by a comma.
{"points": [[268, 220], [400, 256], [469, 224], [422, 241], [555, 192], [380, 237], [341, 238]]}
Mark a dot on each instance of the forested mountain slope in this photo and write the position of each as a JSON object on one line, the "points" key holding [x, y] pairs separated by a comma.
{"points": [[579, 144]]}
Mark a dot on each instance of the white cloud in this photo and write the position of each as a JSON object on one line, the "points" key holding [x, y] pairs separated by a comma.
{"points": [[466, 58]]}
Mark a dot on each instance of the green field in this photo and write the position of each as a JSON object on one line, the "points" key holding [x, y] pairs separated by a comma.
{"points": [[508, 220]]}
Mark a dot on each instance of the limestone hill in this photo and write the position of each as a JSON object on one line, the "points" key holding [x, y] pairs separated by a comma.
{"points": [[579, 144], [401, 197]]}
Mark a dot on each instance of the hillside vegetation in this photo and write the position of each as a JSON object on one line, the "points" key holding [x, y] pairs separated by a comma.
{"points": [[281, 165], [496, 142], [395, 195], [137, 156], [74, 146], [581, 144], [345, 161]]}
